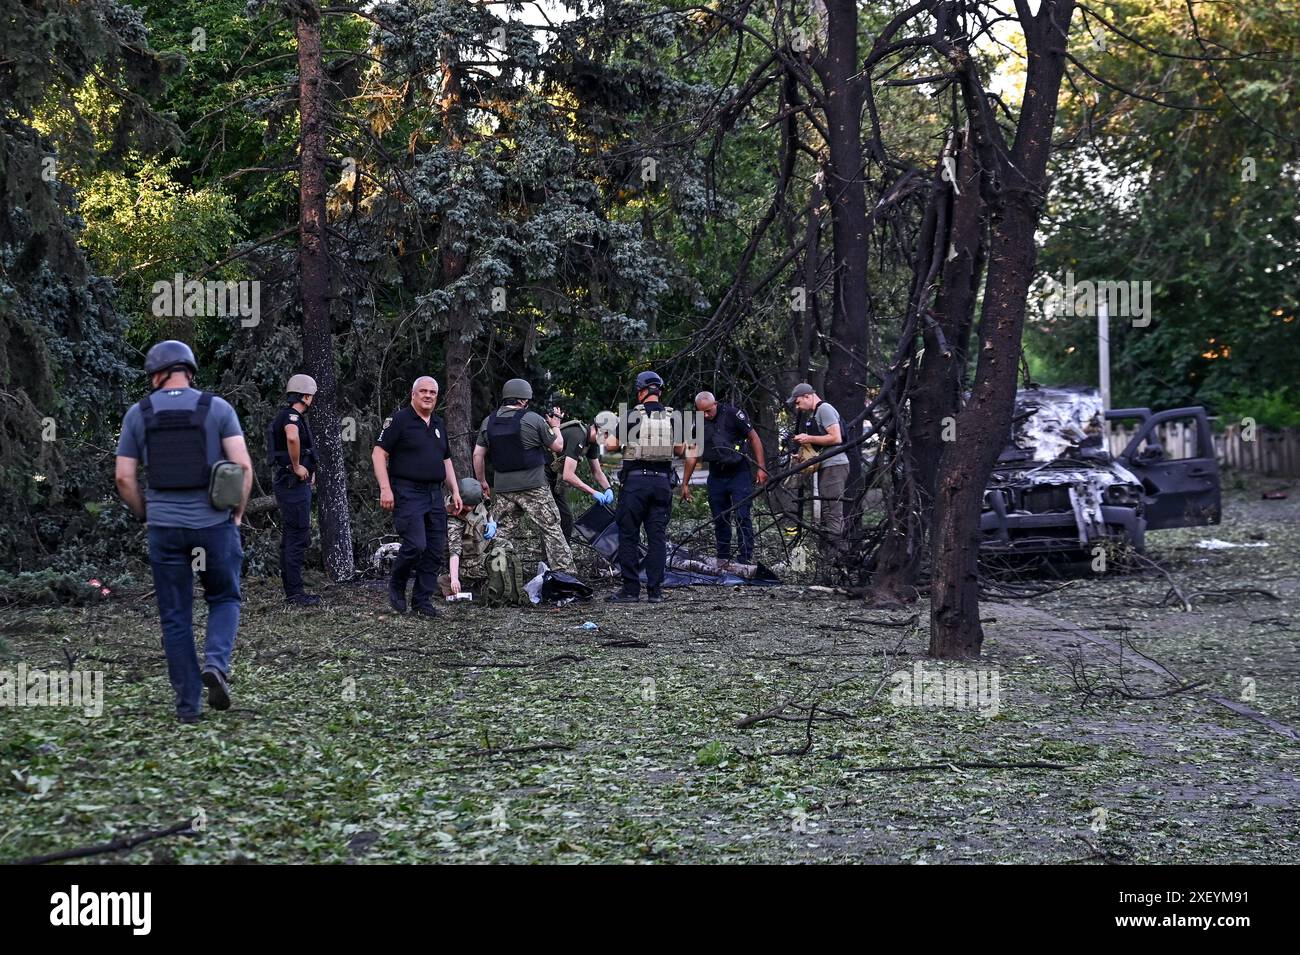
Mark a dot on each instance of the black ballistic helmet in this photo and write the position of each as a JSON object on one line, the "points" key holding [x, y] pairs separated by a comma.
{"points": [[168, 355], [648, 379]]}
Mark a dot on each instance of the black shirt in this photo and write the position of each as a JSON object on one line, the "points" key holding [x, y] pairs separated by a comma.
{"points": [[416, 451], [724, 439], [278, 443]]}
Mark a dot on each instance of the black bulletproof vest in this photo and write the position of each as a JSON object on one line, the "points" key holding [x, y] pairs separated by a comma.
{"points": [[506, 444], [812, 426], [177, 445], [278, 445]]}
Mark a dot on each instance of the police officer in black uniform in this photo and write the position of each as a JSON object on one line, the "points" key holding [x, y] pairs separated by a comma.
{"points": [[412, 462], [647, 498], [727, 430], [293, 467]]}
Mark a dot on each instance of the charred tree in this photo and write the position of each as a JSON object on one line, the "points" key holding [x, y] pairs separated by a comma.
{"points": [[840, 72], [1014, 187], [927, 403]]}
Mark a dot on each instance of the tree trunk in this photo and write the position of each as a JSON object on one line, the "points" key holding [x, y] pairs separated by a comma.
{"points": [[935, 394], [840, 71], [942, 373], [1016, 195], [458, 345], [314, 287]]}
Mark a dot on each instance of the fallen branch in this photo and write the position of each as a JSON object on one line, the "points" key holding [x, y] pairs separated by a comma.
{"points": [[1230, 594], [920, 767], [802, 750], [530, 748], [117, 845]]}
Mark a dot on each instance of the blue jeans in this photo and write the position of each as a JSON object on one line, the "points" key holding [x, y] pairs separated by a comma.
{"points": [[174, 554], [728, 490]]}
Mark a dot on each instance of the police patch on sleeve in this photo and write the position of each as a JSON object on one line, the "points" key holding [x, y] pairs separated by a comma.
{"points": [[293, 417]]}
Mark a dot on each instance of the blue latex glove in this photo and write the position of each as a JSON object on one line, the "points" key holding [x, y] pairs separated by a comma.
{"points": [[606, 496], [598, 497], [489, 530]]}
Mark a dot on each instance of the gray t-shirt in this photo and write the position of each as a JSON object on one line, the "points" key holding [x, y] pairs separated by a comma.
{"points": [[826, 416], [189, 508], [535, 433]]}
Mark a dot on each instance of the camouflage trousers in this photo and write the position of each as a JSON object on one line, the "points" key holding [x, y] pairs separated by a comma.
{"points": [[509, 508]]}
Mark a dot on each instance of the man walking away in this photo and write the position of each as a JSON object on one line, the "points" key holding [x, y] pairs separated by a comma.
{"points": [[192, 447]]}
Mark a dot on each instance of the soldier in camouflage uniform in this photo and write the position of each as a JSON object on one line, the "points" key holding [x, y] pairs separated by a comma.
{"points": [[469, 535], [517, 441]]}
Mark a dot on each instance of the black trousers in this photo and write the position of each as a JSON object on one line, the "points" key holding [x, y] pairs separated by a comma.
{"points": [[294, 498], [646, 501], [732, 491], [420, 519]]}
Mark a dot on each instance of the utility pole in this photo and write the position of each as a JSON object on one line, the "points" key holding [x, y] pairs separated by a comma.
{"points": [[1103, 350]]}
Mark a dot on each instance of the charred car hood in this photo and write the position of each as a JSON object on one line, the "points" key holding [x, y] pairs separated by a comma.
{"points": [[1057, 437]]}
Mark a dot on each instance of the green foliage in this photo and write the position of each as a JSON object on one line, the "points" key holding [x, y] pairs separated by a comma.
{"points": [[1201, 203], [1279, 408], [49, 587], [147, 227], [72, 85]]}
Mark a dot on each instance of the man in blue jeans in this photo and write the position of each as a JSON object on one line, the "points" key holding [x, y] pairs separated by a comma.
{"points": [[727, 430], [178, 433]]}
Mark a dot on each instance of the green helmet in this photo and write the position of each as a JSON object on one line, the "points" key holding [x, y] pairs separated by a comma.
{"points": [[517, 389], [471, 492]]}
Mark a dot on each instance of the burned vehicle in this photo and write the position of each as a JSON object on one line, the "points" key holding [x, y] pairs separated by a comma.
{"points": [[1057, 488]]}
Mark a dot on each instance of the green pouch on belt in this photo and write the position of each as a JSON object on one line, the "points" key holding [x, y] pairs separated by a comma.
{"points": [[226, 485]]}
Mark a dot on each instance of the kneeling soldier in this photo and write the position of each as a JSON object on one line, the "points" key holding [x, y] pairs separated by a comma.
{"points": [[293, 466], [517, 441], [469, 533]]}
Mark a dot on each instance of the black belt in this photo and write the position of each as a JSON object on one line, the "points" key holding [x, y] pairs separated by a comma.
{"points": [[418, 485], [662, 474]]}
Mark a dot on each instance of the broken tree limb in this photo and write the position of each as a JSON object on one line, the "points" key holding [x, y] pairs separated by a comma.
{"points": [[117, 845], [979, 764]]}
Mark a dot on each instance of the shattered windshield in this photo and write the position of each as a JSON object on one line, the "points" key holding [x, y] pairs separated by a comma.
{"points": [[1049, 421]]}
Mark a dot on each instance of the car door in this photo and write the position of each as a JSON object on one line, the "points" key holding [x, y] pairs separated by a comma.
{"points": [[1181, 482]]}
